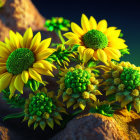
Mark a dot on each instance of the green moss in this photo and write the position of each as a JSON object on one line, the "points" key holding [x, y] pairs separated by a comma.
{"points": [[95, 39], [19, 60]]}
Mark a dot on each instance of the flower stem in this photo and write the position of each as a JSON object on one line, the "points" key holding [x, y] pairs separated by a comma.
{"points": [[60, 36]]}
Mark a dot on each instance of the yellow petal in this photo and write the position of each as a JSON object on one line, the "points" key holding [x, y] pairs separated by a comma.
{"points": [[9, 45], [45, 65], [45, 54], [12, 87], [3, 52], [73, 41], [2, 64], [82, 106], [93, 97], [44, 72], [70, 35], [88, 54], [81, 51], [25, 76], [93, 23], [38, 65], [35, 41], [3, 69], [117, 43], [5, 80], [102, 26], [113, 33], [27, 38], [19, 36], [14, 39], [33, 74], [85, 23], [102, 55], [5, 47], [113, 53], [43, 45], [19, 84], [76, 29]]}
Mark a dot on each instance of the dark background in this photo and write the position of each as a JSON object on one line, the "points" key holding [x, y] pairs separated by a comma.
{"points": [[120, 13]]}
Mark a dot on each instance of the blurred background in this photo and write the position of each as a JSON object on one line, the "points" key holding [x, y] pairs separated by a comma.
{"points": [[120, 13]]}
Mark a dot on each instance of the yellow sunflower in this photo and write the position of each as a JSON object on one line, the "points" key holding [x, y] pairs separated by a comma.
{"points": [[95, 41], [22, 58]]}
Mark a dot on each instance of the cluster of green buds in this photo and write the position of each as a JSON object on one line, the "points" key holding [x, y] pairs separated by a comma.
{"points": [[78, 86], [61, 56], [57, 24], [43, 109], [123, 80]]}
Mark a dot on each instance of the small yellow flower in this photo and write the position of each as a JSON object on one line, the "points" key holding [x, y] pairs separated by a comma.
{"points": [[96, 41]]}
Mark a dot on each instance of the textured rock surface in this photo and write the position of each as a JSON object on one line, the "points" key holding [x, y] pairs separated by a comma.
{"points": [[18, 15], [123, 126], [91, 127], [3, 133]]}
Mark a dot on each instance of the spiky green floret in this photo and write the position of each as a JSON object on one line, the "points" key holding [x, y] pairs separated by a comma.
{"points": [[78, 87], [123, 81], [95, 39], [61, 56], [57, 23], [43, 109], [77, 80], [19, 60], [130, 78], [103, 108], [40, 104]]}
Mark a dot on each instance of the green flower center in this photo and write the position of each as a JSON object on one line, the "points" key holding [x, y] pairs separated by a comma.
{"points": [[130, 78], [95, 39], [41, 104], [19, 60], [77, 80]]}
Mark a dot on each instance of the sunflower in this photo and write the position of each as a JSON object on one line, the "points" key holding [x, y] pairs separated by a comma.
{"points": [[78, 86], [43, 108], [96, 41], [123, 81], [23, 58]]}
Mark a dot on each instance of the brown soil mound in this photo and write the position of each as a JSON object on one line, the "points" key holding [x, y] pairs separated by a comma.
{"points": [[18, 15]]}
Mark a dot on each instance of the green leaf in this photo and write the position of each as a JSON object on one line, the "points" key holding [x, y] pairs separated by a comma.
{"points": [[75, 48], [129, 106], [15, 115]]}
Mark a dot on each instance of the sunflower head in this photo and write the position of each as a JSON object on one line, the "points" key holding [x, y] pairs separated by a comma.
{"points": [[43, 109], [24, 58], [78, 86], [123, 80], [96, 41], [57, 23]]}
